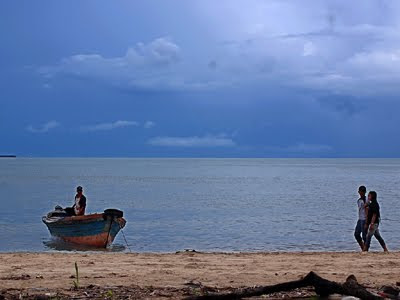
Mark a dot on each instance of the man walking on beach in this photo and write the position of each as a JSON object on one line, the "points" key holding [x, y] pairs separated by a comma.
{"points": [[360, 232], [373, 219]]}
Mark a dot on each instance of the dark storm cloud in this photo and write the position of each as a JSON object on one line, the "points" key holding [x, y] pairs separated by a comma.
{"points": [[296, 78]]}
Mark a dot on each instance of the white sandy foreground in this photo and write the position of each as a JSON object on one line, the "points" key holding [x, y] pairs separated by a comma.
{"points": [[54, 270]]}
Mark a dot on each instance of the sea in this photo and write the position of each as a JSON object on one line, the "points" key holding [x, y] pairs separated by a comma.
{"points": [[228, 205]]}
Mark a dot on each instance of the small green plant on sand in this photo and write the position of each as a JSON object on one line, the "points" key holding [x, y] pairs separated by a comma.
{"points": [[76, 281], [109, 294]]}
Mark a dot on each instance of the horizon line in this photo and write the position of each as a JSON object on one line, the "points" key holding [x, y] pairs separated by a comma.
{"points": [[195, 157]]}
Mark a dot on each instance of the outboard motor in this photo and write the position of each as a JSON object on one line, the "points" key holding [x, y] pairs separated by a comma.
{"points": [[58, 212]]}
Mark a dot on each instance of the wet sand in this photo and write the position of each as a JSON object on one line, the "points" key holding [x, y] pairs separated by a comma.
{"points": [[31, 273]]}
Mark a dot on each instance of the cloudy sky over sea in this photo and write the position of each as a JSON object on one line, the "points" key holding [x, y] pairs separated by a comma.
{"points": [[200, 78]]}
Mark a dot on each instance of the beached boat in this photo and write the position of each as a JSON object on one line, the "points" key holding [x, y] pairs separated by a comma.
{"points": [[94, 230]]}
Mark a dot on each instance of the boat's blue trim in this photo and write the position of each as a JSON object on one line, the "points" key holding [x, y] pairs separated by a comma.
{"points": [[78, 229]]}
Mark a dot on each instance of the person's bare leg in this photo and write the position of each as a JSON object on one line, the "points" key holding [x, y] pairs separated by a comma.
{"points": [[368, 241], [378, 236], [362, 245]]}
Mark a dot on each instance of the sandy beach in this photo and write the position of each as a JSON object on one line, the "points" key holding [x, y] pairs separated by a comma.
{"points": [[169, 275]]}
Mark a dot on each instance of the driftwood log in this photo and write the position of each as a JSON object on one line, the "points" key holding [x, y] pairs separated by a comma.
{"points": [[323, 287]]}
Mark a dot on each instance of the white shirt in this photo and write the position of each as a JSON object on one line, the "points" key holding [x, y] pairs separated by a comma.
{"points": [[77, 207], [361, 209]]}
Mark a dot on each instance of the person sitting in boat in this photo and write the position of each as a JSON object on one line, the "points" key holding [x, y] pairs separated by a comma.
{"points": [[79, 207]]}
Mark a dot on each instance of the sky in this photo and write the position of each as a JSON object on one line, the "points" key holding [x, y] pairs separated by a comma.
{"points": [[200, 78]]}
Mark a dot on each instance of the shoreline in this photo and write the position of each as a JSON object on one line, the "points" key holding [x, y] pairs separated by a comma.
{"points": [[222, 253], [100, 252], [53, 272]]}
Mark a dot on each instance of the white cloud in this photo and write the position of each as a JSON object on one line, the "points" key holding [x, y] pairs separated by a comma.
{"points": [[303, 148], [109, 126], [309, 44], [309, 49], [299, 149], [375, 63], [327, 45], [149, 124], [43, 128], [364, 73], [145, 66], [192, 141]]}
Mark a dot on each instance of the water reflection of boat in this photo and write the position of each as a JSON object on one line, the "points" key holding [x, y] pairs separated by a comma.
{"points": [[59, 245], [95, 230]]}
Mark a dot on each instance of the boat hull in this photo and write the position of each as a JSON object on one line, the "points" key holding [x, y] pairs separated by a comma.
{"points": [[97, 230]]}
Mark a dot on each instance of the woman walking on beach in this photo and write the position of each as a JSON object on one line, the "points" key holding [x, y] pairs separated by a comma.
{"points": [[373, 219]]}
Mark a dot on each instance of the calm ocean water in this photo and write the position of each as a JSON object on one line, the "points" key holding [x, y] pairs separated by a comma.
{"points": [[203, 204]]}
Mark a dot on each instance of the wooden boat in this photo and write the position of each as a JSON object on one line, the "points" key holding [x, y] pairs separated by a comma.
{"points": [[95, 230]]}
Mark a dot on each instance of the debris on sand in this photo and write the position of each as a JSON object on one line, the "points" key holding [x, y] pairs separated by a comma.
{"points": [[17, 277]]}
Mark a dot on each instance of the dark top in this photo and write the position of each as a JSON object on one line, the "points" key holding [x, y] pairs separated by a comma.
{"points": [[373, 208], [82, 201]]}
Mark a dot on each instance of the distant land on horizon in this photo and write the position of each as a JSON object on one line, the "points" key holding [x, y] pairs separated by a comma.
{"points": [[196, 157]]}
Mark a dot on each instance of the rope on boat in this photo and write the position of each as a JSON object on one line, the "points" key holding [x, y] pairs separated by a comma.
{"points": [[109, 230], [126, 242]]}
